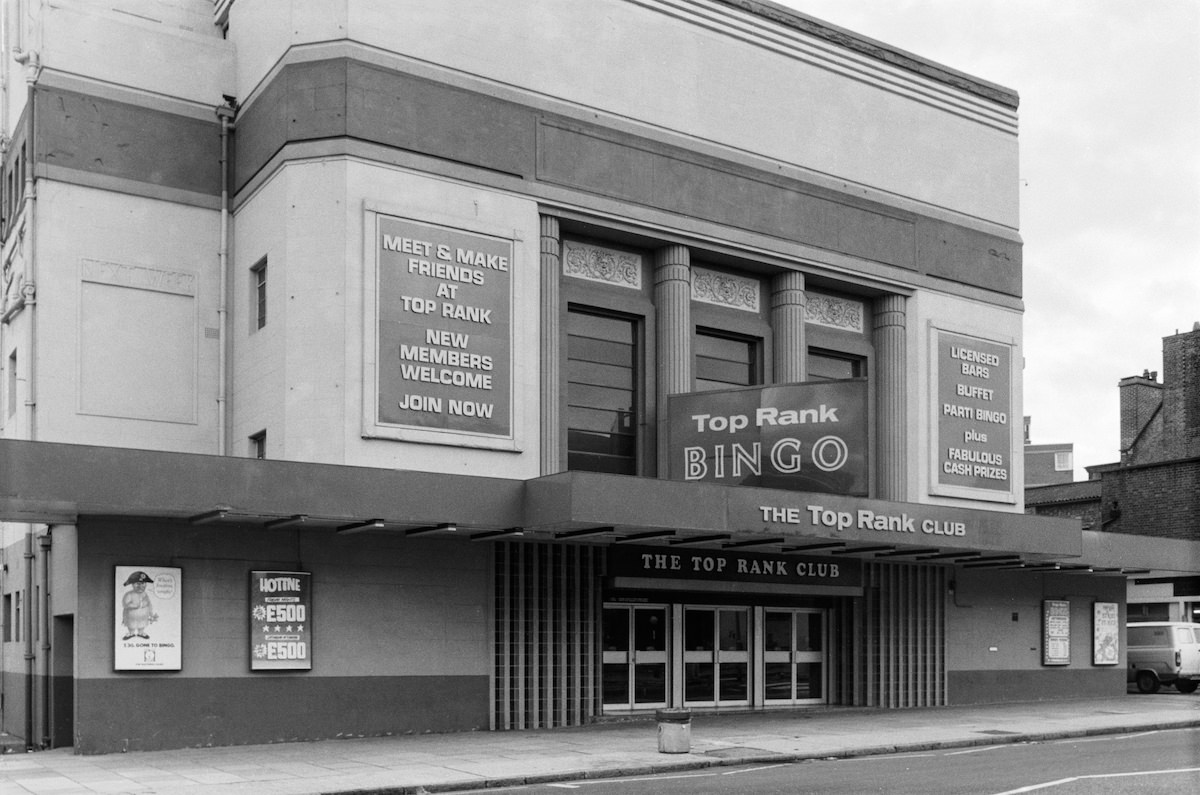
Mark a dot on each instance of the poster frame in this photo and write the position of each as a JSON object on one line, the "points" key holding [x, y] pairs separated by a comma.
{"points": [[135, 650], [1056, 632], [1106, 633]]}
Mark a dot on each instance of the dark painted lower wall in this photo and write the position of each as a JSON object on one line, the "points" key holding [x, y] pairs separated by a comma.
{"points": [[152, 713], [1048, 684]]}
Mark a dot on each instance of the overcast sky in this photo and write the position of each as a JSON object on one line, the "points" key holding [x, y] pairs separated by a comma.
{"points": [[1110, 166]]}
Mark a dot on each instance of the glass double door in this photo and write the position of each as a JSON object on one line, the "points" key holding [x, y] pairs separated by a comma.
{"points": [[716, 656], [793, 656], [635, 661]]}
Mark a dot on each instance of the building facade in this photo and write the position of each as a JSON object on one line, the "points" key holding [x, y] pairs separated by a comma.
{"points": [[384, 367], [1047, 464], [1152, 492]]}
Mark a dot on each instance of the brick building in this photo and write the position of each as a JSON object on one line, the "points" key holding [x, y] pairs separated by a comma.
{"points": [[1047, 464]]}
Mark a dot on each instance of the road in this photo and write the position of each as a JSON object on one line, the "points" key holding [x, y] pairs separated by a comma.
{"points": [[1144, 762]]}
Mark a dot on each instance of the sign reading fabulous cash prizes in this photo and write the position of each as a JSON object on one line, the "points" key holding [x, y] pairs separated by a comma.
{"points": [[803, 437]]}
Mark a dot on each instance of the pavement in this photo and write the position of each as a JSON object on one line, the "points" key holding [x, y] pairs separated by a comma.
{"points": [[477, 760]]}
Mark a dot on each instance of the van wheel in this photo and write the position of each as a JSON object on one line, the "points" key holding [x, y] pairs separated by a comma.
{"points": [[1147, 682], [1186, 685]]}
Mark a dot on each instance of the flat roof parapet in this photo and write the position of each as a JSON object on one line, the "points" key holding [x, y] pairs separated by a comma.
{"points": [[878, 50]]}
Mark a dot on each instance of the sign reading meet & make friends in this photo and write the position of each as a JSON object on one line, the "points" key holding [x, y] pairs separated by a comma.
{"points": [[444, 326]]}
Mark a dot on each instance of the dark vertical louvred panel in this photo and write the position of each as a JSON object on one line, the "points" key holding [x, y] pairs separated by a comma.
{"points": [[546, 614], [901, 661]]}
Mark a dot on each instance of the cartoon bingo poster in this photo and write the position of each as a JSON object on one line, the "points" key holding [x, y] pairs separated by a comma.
{"points": [[148, 618], [280, 620]]}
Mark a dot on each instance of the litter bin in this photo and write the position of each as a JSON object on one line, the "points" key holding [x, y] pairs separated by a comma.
{"points": [[674, 730]]}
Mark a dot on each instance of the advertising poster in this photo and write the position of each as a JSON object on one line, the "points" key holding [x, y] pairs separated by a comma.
{"points": [[1056, 632], [280, 621], [802, 437], [1106, 634], [148, 618], [974, 414], [445, 328]]}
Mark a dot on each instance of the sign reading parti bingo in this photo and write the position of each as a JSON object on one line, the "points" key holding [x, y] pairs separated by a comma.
{"points": [[444, 309], [974, 405], [802, 437]]}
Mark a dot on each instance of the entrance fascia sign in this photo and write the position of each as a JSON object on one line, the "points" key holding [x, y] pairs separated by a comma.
{"points": [[972, 417], [148, 618], [721, 566], [281, 621], [1056, 632], [439, 342], [831, 517], [801, 437]]}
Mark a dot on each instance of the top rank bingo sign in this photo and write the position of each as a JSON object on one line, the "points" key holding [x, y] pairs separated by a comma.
{"points": [[802, 437], [444, 310]]}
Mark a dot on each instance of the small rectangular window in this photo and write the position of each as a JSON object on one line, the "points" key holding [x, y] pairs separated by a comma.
{"points": [[826, 366], [258, 276], [258, 444], [725, 360], [1063, 462], [12, 383]]}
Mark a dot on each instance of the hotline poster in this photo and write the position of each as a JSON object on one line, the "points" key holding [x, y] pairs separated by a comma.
{"points": [[148, 618], [280, 620]]}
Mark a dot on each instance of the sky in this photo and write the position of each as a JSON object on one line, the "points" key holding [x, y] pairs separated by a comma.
{"points": [[1109, 138]]}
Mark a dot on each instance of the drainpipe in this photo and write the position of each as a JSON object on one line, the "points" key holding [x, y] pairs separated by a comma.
{"points": [[225, 113], [33, 68], [44, 607], [30, 657]]}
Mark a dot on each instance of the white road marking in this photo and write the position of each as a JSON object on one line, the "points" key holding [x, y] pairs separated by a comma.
{"points": [[1073, 779], [977, 750]]}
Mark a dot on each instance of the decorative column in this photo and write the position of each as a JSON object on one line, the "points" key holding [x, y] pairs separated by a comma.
{"points": [[790, 351], [891, 371], [551, 336], [673, 333]]}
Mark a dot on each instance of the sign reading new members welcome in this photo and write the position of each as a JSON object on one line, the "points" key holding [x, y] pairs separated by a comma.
{"points": [[803, 437], [444, 324]]}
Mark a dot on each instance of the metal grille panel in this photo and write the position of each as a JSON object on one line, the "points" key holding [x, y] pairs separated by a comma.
{"points": [[547, 614]]}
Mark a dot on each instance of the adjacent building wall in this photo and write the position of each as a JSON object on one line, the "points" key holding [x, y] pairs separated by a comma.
{"points": [[400, 631], [994, 623]]}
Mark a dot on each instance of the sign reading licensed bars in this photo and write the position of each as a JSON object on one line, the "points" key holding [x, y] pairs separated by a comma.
{"points": [[280, 620], [802, 437], [974, 427], [444, 309], [721, 566]]}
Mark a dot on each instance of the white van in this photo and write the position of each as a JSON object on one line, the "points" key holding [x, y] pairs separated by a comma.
{"points": [[1163, 652]]}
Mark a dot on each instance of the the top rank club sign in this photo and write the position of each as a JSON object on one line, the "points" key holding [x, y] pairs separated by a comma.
{"points": [[803, 437], [444, 324]]}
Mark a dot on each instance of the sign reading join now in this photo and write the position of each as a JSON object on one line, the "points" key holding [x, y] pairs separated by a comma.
{"points": [[803, 437]]}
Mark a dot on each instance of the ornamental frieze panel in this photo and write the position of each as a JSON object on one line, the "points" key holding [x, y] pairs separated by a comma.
{"points": [[839, 313], [723, 289], [598, 264]]}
